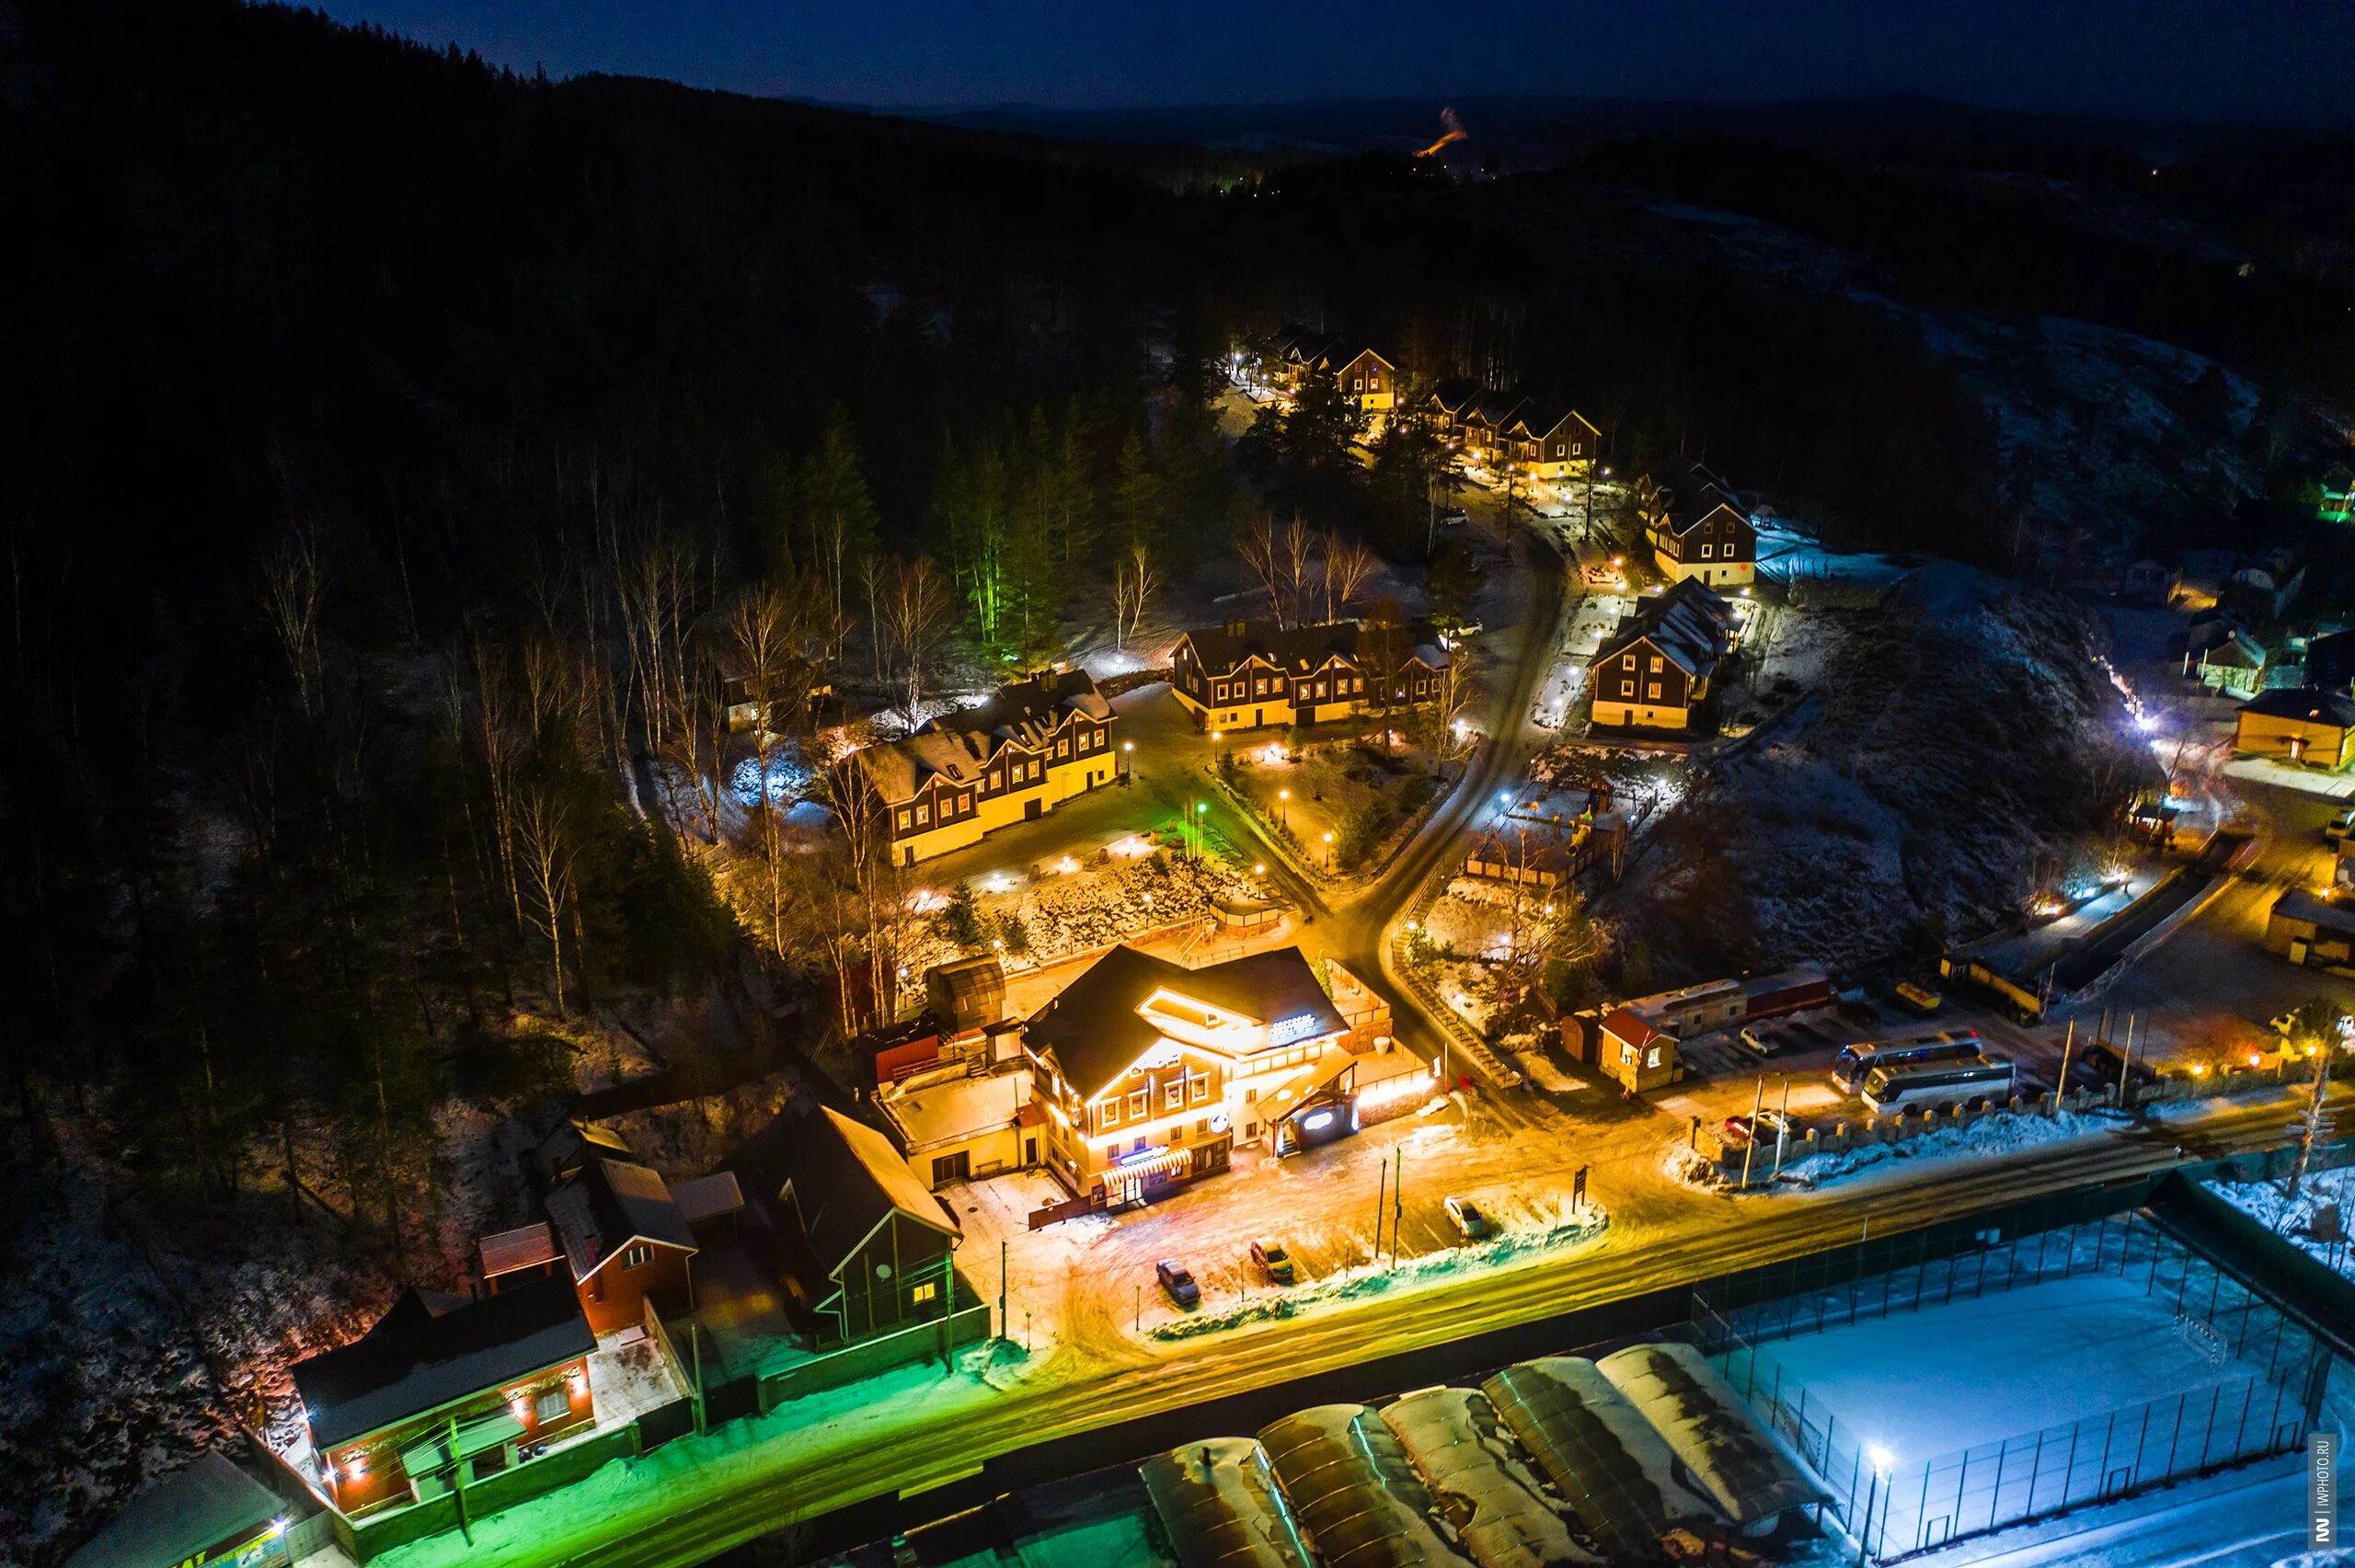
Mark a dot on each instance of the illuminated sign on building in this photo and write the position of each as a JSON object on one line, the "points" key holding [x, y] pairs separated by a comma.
{"points": [[1299, 1027]]}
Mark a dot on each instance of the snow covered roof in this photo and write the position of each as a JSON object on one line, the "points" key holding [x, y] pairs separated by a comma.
{"points": [[1219, 1503], [2307, 703], [1750, 1473], [841, 1178], [1299, 650], [1360, 1500], [959, 745], [1689, 624], [428, 1351], [932, 1113], [1474, 1468], [1618, 1475], [209, 1502], [1096, 1033], [608, 1205]]}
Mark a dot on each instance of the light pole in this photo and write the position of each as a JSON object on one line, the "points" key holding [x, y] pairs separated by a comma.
{"points": [[1216, 736], [1329, 852], [1127, 748], [1880, 1459], [1201, 809], [1283, 808]]}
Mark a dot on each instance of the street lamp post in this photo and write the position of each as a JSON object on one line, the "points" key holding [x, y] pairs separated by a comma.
{"points": [[1283, 807], [1879, 1458], [1328, 852], [1216, 736], [1201, 809]]}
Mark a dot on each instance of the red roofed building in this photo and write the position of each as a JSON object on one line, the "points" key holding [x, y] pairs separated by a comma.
{"points": [[1634, 1054]]}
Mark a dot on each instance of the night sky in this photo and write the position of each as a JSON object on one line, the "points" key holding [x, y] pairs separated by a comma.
{"points": [[2267, 62]]}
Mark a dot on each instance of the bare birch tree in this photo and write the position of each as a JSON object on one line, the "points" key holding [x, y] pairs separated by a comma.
{"points": [[917, 607], [1348, 566], [544, 833], [1134, 582]]}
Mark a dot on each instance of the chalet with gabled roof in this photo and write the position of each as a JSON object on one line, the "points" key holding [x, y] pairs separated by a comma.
{"points": [[1249, 674], [1550, 440], [1015, 758], [1700, 532], [866, 1245], [1656, 667], [1151, 1073]]}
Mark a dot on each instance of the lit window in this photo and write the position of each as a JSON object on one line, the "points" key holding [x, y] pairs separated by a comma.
{"points": [[996, 778], [1627, 662], [903, 819], [1139, 1104], [1656, 664], [924, 814], [638, 1256], [1706, 551], [1062, 746], [1652, 692], [1173, 1096], [1626, 1053], [929, 1291], [1651, 1057], [1200, 1085], [1109, 1113], [553, 1405]]}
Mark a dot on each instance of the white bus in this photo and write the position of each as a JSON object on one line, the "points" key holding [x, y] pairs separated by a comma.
{"points": [[1856, 1062], [1938, 1084]]}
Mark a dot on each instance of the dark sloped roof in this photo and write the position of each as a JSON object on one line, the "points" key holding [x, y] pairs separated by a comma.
{"points": [[2330, 661], [171, 1520], [1299, 649], [1455, 394], [2309, 703], [959, 745], [1497, 409], [844, 1179], [1543, 417], [430, 1351], [1096, 1034], [609, 1204]]}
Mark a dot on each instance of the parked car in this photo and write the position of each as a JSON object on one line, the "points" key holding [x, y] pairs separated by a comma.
{"points": [[1739, 1130], [1765, 1042], [2097, 1065], [2339, 825], [1475, 1225], [1272, 1260], [1922, 998], [1177, 1284], [1454, 517]]}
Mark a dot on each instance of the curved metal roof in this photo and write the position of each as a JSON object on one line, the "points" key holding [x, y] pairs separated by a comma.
{"points": [[1358, 1497], [1616, 1474], [1218, 1502]]}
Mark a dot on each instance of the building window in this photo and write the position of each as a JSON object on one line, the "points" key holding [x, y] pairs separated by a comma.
{"points": [[903, 819], [1199, 1085], [553, 1405], [1627, 661], [1706, 551], [997, 779], [1249, 1095], [1627, 1054], [1320, 688], [1656, 664], [929, 1291], [1109, 1113], [638, 1255], [1651, 691], [1202, 1127], [1651, 1057], [1139, 1104], [1173, 1096], [1062, 746], [1137, 1147]]}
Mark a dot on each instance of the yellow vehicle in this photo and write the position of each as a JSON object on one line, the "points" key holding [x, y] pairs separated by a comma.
{"points": [[1920, 999]]}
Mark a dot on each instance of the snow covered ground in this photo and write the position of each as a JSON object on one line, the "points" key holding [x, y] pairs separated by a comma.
{"points": [[2007, 1365], [2293, 1219]]}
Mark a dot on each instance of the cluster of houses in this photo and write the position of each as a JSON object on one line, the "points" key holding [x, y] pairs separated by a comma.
{"points": [[569, 1327], [1287, 359], [822, 1233]]}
